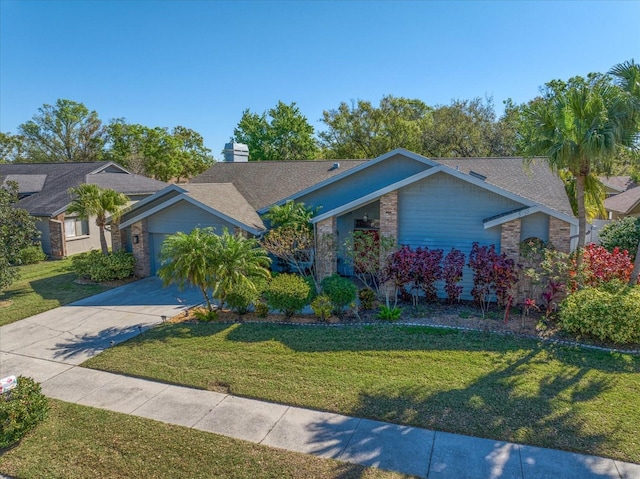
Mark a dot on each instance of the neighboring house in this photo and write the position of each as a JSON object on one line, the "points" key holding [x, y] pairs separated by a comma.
{"points": [[438, 203], [43, 190], [614, 185], [623, 204]]}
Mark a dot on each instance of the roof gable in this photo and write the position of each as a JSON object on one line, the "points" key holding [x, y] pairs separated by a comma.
{"points": [[624, 202], [53, 196], [219, 199]]}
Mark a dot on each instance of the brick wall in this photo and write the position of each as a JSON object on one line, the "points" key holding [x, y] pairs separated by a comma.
{"points": [[326, 261], [57, 237], [388, 228], [141, 249], [510, 239], [116, 237], [560, 234]]}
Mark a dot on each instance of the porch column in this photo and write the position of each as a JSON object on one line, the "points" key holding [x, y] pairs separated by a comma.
{"points": [[388, 229], [326, 259], [560, 234], [140, 249], [510, 239], [57, 237], [116, 237]]}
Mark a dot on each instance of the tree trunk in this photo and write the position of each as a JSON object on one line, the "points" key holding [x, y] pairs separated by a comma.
{"points": [[103, 241], [582, 218], [633, 280]]}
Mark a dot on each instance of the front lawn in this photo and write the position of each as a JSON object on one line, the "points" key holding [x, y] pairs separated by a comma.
{"points": [[79, 441], [41, 287], [481, 384]]}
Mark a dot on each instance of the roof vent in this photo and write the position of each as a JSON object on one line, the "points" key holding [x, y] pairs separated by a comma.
{"points": [[335, 166], [477, 175]]}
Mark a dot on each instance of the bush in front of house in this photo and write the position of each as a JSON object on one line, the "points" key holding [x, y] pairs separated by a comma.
{"points": [[31, 255], [623, 234], [609, 312], [287, 293], [322, 306], [100, 267], [242, 296], [21, 409], [367, 298], [341, 291]]}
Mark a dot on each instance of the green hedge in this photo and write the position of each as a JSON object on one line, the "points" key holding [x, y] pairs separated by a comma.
{"points": [[21, 410], [288, 293], [31, 255], [99, 267], [610, 312], [341, 291]]}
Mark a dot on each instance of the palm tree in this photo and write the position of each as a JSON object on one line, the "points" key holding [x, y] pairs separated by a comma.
{"points": [[186, 259], [627, 76], [91, 200], [212, 262], [579, 128], [239, 262]]}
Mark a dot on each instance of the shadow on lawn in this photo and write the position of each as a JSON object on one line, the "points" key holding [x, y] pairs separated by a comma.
{"points": [[546, 418], [89, 345]]}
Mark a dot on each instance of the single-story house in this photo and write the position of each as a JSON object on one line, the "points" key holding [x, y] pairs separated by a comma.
{"points": [[435, 202], [43, 190], [614, 185]]}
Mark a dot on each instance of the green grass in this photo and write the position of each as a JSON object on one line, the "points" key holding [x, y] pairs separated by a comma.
{"points": [[80, 442], [479, 384], [41, 287]]}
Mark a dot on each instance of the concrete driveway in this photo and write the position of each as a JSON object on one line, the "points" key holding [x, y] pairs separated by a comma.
{"points": [[74, 333]]}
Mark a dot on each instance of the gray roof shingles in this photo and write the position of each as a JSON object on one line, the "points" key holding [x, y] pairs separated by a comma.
{"points": [[54, 195], [263, 183], [624, 202]]}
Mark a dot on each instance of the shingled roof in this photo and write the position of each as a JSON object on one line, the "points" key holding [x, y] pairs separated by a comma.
{"points": [[264, 183], [617, 183], [624, 202], [50, 182]]}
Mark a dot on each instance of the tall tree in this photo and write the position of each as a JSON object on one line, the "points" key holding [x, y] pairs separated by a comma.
{"points": [[627, 76], [179, 154], [365, 131], [281, 133], [578, 126], [90, 200], [17, 231], [66, 131], [11, 148]]}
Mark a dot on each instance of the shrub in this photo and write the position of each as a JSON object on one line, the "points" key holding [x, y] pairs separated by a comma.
{"points": [[100, 267], [367, 298], [262, 310], [341, 291], [31, 255], [610, 312], [601, 266], [322, 306], [287, 293], [491, 271], [242, 296], [452, 274], [206, 315], [623, 234], [389, 313], [21, 410]]}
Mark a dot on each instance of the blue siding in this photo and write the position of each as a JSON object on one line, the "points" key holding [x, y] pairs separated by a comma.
{"points": [[364, 182], [444, 212], [184, 216], [535, 226]]}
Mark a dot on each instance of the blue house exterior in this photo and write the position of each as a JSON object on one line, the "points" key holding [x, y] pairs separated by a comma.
{"points": [[438, 203]]}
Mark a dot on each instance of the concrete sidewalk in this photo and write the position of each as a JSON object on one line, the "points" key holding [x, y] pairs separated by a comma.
{"points": [[48, 347]]}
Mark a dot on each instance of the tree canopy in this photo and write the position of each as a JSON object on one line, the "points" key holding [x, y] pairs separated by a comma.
{"points": [[17, 232], [66, 131], [461, 129], [281, 133], [580, 126]]}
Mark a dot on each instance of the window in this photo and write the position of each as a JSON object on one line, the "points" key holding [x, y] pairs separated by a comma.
{"points": [[75, 227]]}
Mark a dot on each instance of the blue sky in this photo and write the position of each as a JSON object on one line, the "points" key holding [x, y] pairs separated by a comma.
{"points": [[201, 63]]}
